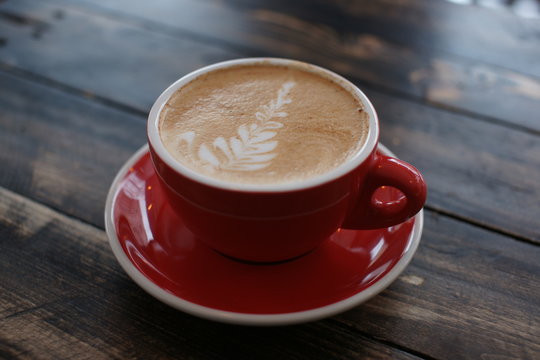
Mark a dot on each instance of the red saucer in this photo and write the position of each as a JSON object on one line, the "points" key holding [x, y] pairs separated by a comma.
{"points": [[163, 257]]}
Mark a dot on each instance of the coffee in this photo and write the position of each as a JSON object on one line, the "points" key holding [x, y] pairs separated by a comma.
{"points": [[263, 124]]}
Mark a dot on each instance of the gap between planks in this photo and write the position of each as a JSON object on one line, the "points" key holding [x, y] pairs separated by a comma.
{"points": [[382, 341], [71, 90]]}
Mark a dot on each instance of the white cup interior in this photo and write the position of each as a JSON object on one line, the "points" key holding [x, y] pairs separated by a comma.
{"points": [[362, 153]]}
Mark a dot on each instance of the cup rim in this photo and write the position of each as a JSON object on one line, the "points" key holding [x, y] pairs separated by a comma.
{"points": [[361, 155]]}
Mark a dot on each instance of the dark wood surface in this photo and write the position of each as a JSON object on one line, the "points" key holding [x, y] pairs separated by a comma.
{"points": [[457, 89]]}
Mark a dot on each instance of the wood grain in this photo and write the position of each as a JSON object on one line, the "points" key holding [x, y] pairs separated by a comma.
{"points": [[64, 296], [358, 44], [468, 174], [466, 286], [476, 170], [66, 153], [483, 288], [486, 35], [98, 55], [467, 289], [76, 81]]}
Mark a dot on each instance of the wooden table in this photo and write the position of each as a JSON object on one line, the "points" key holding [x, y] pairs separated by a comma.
{"points": [[458, 93]]}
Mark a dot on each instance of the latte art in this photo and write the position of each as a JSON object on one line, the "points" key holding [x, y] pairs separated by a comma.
{"points": [[252, 149], [262, 124]]}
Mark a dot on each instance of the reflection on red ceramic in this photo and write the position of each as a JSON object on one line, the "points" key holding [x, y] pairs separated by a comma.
{"points": [[158, 244]]}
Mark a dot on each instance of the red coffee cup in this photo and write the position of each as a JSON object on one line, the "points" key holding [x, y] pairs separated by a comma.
{"points": [[277, 222]]}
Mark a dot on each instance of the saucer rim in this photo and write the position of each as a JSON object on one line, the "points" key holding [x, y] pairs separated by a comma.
{"points": [[238, 318]]}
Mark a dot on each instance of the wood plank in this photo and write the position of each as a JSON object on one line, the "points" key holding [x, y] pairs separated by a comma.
{"points": [[366, 44], [468, 294], [466, 290], [479, 171], [63, 296], [66, 154], [489, 278], [483, 34], [69, 146], [480, 174], [98, 55]]}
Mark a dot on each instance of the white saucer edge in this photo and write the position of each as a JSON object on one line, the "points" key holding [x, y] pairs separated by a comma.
{"points": [[244, 318]]}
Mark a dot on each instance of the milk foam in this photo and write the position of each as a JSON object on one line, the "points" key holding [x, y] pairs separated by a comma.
{"points": [[262, 124]]}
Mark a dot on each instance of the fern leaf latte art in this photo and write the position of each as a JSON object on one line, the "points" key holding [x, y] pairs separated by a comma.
{"points": [[262, 124]]}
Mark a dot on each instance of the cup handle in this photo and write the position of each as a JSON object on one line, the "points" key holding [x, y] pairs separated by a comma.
{"points": [[367, 213]]}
